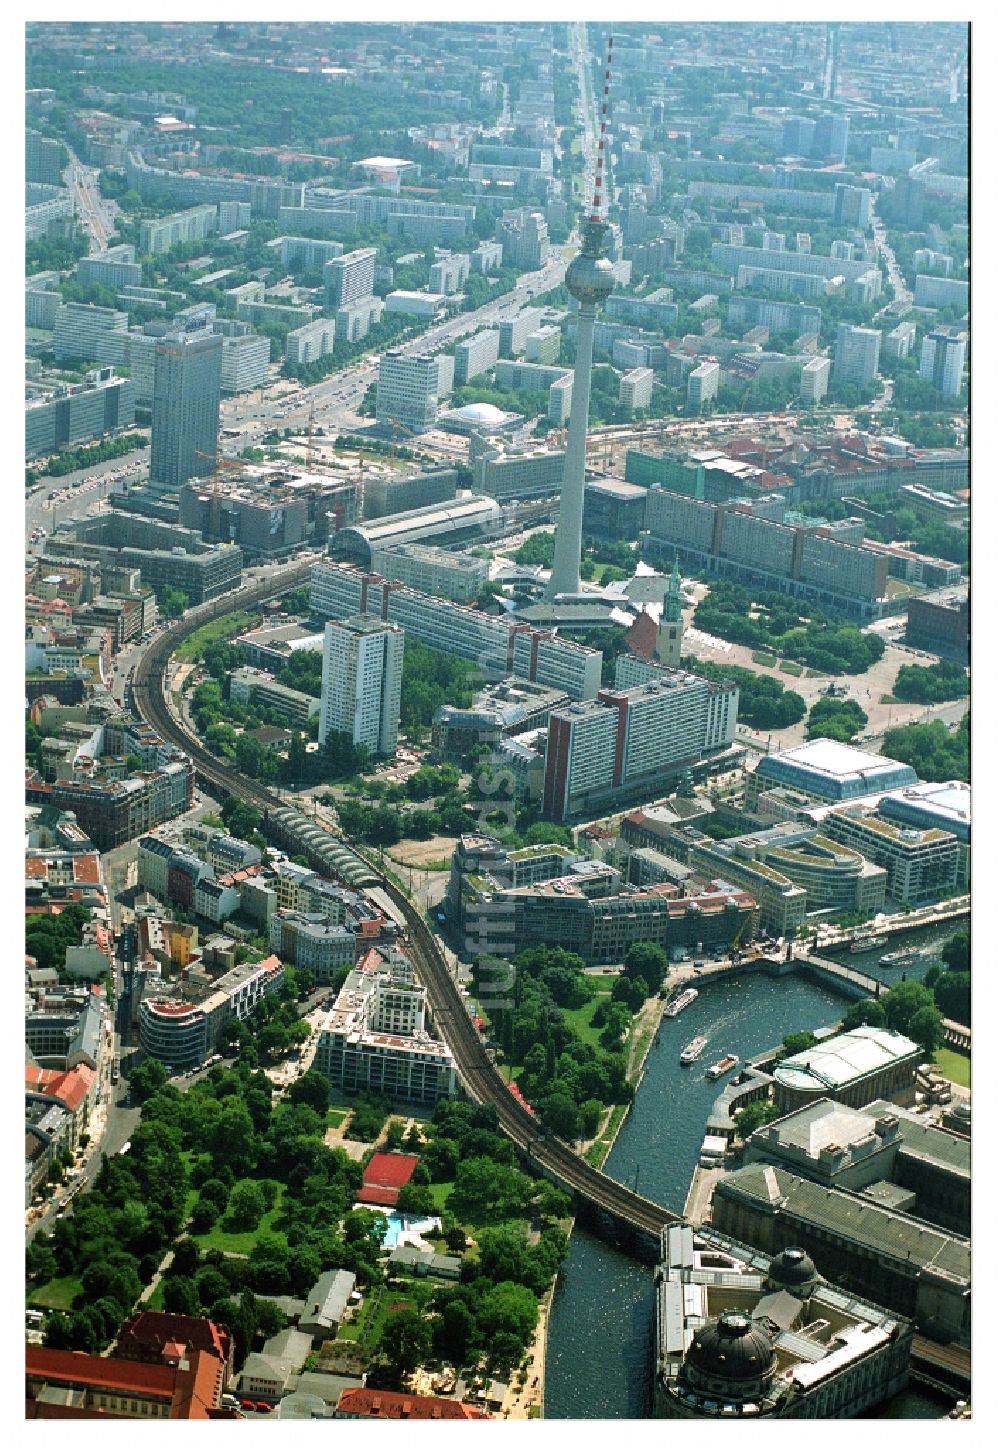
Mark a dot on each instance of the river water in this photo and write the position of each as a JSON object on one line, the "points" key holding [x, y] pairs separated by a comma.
{"points": [[599, 1356]]}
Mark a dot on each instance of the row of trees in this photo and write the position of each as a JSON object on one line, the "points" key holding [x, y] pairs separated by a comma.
{"points": [[75, 459]]}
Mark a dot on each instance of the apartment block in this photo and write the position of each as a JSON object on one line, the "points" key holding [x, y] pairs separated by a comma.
{"points": [[76, 414], [702, 385], [79, 327], [244, 364], [116, 267], [376, 1038], [856, 354], [408, 389], [449, 274], [498, 646], [458, 576], [515, 331], [312, 942], [942, 359], [629, 742], [291, 706], [158, 236], [477, 355]]}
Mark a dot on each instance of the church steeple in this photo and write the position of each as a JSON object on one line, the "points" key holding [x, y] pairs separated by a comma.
{"points": [[670, 634]]}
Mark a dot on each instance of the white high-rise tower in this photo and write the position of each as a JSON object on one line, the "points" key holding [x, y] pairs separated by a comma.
{"points": [[589, 278]]}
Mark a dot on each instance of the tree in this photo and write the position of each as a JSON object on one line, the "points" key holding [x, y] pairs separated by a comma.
{"points": [[180, 1294], [957, 952], [312, 1088], [173, 602], [415, 1201], [926, 1030], [406, 1341], [508, 1307], [864, 1013], [902, 1003], [646, 962], [797, 1041], [204, 1216], [953, 996], [146, 1079], [757, 1114], [455, 1332]]}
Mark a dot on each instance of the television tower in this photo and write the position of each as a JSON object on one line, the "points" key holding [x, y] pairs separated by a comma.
{"points": [[590, 279]]}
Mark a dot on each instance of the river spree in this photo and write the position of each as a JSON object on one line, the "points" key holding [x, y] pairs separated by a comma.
{"points": [[599, 1359]]}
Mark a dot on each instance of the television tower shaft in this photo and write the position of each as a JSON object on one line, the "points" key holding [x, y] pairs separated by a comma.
{"points": [[590, 279]]}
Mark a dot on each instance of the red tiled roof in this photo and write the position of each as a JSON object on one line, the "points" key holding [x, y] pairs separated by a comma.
{"points": [[390, 1169], [87, 869], [642, 636], [377, 1403], [56, 1365], [36, 869], [160, 1328], [378, 1196]]}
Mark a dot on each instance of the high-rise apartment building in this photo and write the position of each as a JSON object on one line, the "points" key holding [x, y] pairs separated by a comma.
{"points": [[703, 384], [831, 137], [245, 362], [186, 389], [350, 277], [524, 236], [362, 682], [942, 359], [797, 136], [855, 356], [44, 159], [79, 329], [815, 379]]}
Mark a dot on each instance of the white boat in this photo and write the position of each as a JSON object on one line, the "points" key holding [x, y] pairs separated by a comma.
{"points": [[679, 1002], [693, 1050], [721, 1067]]}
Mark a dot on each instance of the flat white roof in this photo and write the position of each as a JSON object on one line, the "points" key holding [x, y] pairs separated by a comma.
{"points": [[830, 757], [844, 1058]]}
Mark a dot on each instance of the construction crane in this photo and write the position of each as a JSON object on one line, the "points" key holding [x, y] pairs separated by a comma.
{"points": [[221, 465]]}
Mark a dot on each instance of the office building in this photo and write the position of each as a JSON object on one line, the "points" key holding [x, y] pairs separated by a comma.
{"points": [[289, 706], [167, 556], [855, 355], [702, 385], [312, 942], [476, 356], [498, 711], [77, 414], [244, 364], [828, 772], [629, 742], [158, 236], [362, 682], [946, 806], [503, 470], [920, 865], [942, 359], [588, 911], [743, 1335], [416, 304], [350, 277], [186, 390], [815, 380], [79, 328], [180, 1025], [410, 387], [791, 869], [376, 1038], [908, 1266], [939, 624], [498, 646]]}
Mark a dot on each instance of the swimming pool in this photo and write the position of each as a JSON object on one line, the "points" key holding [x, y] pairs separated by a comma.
{"points": [[404, 1231]]}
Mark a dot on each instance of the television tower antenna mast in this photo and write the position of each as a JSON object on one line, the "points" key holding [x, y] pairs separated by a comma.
{"points": [[590, 279]]}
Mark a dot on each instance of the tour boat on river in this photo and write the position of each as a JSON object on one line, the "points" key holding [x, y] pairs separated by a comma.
{"points": [[679, 1002], [693, 1050]]}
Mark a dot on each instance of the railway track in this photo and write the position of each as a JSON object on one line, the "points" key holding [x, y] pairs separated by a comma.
{"points": [[479, 1075]]}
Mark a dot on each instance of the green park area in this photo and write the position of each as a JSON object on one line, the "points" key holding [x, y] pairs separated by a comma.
{"points": [[220, 628], [954, 1066]]}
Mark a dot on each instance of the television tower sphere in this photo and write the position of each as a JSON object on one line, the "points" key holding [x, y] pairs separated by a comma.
{"points": [[590, 276]]}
